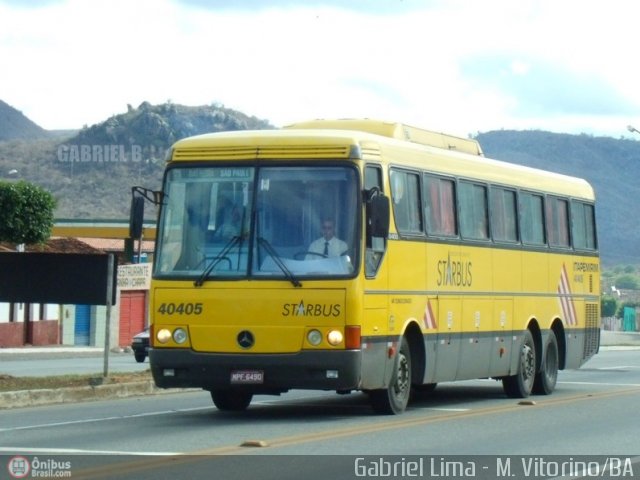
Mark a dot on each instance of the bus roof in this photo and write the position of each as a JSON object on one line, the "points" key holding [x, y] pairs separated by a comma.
{"points": [[372, 139], [399, 131]]}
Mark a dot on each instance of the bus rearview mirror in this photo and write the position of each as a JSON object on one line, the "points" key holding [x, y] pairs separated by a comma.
{"points": [[378, 213], [136, 217]]}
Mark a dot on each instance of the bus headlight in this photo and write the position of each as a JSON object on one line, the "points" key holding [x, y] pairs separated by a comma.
{"points": [[335, 337], [314, 337], [163, 335], [179, 336]]}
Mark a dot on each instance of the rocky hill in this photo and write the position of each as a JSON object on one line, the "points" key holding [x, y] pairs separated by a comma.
{"points": [[14, 125]]}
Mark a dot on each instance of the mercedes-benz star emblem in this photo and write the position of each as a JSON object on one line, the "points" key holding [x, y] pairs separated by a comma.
{"points": [[245, 339]]}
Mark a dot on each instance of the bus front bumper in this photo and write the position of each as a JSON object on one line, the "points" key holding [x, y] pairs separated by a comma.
{"points": [[260, 373]]}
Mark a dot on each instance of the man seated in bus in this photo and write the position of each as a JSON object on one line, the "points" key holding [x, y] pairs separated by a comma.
{"points": [[228, 219], [328, 245]]}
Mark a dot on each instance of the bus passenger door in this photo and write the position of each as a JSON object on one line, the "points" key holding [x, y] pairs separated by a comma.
{"points": [[375, 316], [374, 328]]}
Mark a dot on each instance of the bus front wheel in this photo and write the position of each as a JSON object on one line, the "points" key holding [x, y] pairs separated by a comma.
{"points": [[393, 400], [231, 401], [521, 384]]}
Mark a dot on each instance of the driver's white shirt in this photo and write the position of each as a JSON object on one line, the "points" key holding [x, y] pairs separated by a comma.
{"points": [[335, 248]]}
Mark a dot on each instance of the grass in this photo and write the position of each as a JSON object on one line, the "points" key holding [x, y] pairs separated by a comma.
{"points": [[11, 384]]}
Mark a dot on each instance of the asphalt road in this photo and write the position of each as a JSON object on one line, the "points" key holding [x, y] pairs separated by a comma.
{"points": [[593, 412]]}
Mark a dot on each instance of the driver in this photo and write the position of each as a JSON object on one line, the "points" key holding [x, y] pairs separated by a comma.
{"points": [[328, 245]]}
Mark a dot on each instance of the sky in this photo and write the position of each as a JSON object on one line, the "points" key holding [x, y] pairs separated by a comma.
{"points": [[456, 66]]}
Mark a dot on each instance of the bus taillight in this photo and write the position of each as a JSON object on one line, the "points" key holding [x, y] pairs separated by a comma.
{"points": [[352, 337]]}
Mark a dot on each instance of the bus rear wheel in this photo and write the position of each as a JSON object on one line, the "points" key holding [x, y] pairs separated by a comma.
{"points": [[547, 377], [231, 401], [393, 400], [521, 384]]}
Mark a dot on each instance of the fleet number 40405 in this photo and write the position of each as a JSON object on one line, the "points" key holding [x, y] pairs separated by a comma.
{"points": [[180, 309]]}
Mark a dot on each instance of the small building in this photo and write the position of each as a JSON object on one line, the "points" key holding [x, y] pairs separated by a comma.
{"points": [[83, 325]]}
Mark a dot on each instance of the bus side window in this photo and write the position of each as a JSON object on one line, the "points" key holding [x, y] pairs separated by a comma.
{"points": [[372, 177], [532, 219], [583, 226], [439, 205], [504, 219], [405, 191], [558, 221], [472, 202]]}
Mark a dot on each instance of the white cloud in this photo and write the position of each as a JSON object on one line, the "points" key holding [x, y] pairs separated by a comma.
{"points": [[461, 66]]}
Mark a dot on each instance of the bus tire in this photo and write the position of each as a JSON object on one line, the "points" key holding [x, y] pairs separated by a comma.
{"points": [[546, 378], [521, 384], [424, 387], [230, 400], [393, 400]]}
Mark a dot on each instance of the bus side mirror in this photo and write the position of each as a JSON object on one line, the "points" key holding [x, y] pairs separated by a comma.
{"points": [[378, 216], [136, 217]]}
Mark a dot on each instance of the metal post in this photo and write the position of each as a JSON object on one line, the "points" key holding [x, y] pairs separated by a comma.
{"points": [[107, 326], [140, 247]]}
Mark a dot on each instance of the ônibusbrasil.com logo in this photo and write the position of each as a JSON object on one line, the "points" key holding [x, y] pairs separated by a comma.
{"points": [[20, 467]]}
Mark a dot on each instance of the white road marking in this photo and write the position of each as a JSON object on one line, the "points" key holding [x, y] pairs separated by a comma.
{"points": [[52, 451], [102, 419], [600, 384]]}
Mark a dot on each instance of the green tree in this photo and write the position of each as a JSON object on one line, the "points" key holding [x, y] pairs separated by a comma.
{"points": [[627, 282], [26, 213], [608, 306]]}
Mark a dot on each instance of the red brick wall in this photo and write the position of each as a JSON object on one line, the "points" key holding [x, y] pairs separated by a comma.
{"points": [[45, 332], [11, 334]]}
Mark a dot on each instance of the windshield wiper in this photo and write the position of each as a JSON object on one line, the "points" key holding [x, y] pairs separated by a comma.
{"points": [[272, 251], [217, 259]]}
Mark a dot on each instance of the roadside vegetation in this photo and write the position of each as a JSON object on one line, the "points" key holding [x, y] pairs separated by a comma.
{"points": [[9, 383], [621, 288]]}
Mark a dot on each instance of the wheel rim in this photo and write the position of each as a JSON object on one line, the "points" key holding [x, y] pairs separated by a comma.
{"points": [[402, 377], [528, 363]]}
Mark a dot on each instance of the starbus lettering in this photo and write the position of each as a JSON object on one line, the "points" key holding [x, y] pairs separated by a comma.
{"points": [[310, 309], [454, 273]]}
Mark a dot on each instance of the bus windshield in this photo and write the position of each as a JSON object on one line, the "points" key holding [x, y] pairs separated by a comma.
{"points": [[258, 222]]}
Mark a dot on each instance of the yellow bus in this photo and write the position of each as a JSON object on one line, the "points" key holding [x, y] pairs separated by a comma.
{"points": [[361, 255]]}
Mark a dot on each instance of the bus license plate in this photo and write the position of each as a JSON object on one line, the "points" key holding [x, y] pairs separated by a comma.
{"points": [[247, 376]]}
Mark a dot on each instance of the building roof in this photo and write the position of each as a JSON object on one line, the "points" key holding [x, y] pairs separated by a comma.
{"points": [[55, 245], [79, 245], [116, 245]]}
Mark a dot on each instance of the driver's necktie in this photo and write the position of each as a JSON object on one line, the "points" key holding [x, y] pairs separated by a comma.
{"points": [[326, 249]]}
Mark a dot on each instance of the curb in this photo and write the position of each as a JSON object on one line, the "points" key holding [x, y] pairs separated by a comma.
{"points": [[619, 339], [49, 396]]}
